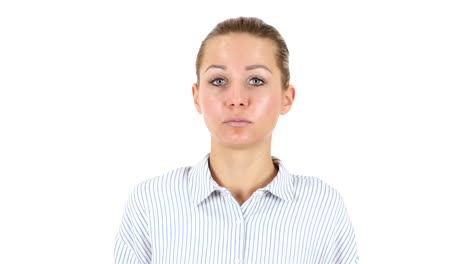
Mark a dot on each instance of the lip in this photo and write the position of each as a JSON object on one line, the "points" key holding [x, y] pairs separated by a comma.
{"points": [[237, 122]]}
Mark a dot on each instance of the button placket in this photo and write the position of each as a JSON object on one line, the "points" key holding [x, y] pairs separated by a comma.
{"points": [[239, 230]]}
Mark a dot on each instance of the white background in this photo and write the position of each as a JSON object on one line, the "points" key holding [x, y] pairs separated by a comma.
{"points": [[95, 97]]}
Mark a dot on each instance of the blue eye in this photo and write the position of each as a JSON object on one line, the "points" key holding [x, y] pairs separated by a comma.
{"points": [[218, 82], [256, 81]]}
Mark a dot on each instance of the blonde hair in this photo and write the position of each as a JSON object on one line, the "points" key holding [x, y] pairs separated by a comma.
{"points": [[255, 27]]}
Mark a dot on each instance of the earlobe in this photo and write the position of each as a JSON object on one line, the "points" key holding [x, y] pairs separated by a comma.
{"points": [[195, 94], [288, 99]]}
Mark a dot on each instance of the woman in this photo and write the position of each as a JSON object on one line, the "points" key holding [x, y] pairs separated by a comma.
{"points": [[238, 204]]}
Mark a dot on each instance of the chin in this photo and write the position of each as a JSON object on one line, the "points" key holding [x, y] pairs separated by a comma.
{"points": [[239, 139], [236, 142], [241, 142]]}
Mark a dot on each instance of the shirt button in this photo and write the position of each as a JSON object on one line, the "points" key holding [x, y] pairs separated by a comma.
{"points": [[237, 261]]}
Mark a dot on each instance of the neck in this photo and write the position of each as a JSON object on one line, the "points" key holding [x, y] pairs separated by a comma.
{"points": [[242, 171]]}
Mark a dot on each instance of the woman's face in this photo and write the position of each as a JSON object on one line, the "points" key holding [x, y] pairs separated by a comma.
{"points": [[239, 92]]}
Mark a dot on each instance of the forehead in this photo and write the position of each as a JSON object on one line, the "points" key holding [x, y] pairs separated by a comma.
{"points": [[239, 48]]}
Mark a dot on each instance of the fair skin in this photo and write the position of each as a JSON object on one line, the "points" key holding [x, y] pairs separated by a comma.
{"points": [[241, 97]]}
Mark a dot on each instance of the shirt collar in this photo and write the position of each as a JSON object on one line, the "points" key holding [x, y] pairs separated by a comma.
{"points": [[282, 185], [202, 184]]}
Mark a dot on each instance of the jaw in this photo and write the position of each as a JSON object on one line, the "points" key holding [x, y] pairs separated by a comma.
{"points": [[240, 139]]}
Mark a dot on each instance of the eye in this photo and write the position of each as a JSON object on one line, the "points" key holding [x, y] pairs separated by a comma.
{"points": [[256, 81], [218, 82]]}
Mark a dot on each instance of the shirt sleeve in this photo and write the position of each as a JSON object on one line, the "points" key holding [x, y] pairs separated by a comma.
{"points": [[345, 249], [132, 243]]}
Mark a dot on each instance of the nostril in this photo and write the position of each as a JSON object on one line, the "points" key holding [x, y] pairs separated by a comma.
{"points": [[234, 104]]}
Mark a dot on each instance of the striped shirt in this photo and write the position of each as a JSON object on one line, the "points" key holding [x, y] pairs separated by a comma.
{"points": [[184, 216]]}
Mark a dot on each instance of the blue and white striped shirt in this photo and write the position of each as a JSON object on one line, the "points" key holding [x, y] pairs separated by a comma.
{"points": [[184, 216]]}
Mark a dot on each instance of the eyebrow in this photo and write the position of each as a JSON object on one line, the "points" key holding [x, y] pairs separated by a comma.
{"points": [[248, 68], [216, 67], [257, 66]]}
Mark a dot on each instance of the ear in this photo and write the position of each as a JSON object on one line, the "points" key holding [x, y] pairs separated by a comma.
{"points": [[195, 94], [288, 99]]}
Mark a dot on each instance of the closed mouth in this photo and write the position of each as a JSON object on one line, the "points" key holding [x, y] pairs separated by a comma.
{"points": [[237, 122]]}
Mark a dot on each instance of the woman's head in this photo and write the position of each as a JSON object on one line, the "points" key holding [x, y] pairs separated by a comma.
{"points": [[242, 82], [257, 28]]}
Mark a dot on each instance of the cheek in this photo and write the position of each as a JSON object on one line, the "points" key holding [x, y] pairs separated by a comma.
{"points": [[210, 106], [269, 105]]}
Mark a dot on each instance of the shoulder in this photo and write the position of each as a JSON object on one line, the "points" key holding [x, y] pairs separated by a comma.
{"points": [[167, 183], [312, 184], [326, 211], [315, 191]]}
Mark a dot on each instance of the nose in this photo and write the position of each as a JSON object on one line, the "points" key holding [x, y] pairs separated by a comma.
{"points": [[237, 97]]}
